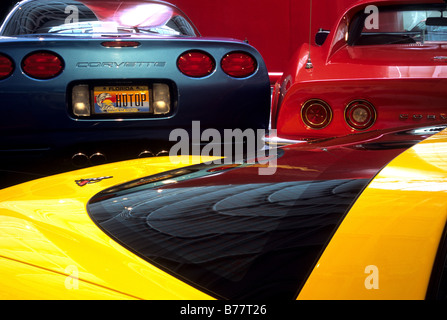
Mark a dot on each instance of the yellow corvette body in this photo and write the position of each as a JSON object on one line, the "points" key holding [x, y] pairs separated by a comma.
{"points": [[51, 249], [386, 246], [386, 243]]}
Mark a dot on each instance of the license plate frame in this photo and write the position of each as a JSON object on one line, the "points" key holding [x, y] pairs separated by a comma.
{"points": [[121, 99]]}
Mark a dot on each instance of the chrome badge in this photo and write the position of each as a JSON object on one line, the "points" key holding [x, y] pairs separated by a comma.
{"points": [[83, 182]]}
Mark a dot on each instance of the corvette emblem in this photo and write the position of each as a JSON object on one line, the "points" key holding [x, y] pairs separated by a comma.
{"points": [[440, 116], [83, 182]]}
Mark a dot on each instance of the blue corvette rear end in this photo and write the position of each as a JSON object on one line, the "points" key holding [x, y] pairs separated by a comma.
{"points": [[97, 88]]}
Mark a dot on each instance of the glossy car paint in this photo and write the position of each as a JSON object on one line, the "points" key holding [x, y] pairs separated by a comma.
{"points": [[46, 230], [403, 82], [396, 226], [44, 251], [40, 125]]}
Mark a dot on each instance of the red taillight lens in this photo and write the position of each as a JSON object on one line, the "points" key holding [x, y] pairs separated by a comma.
{"points": [[360, 114], [120, 44], [42, 65], [6, 67], [196, 64], [316, 114], [239, 64]]}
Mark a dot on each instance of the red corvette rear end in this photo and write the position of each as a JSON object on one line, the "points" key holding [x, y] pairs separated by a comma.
{"points": [[383, 65]]}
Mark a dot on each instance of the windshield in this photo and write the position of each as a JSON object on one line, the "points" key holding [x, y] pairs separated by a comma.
{"points": [[46, 17], [400, 25]]}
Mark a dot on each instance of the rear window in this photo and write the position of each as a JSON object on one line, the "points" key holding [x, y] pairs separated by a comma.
{"points": [[400, 25], [46, 17], [232, 241]]}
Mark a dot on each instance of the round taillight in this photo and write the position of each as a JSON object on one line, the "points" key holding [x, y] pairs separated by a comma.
{"points": [[239, 64], [42, 65], [360, 114], [6, 67], [196, 64], [316, 114]]}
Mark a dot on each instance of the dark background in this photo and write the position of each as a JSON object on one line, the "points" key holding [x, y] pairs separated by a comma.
{"points": [[5, 6]]}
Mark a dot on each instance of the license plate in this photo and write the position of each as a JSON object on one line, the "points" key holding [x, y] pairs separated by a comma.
{"points": [[121, 99]]}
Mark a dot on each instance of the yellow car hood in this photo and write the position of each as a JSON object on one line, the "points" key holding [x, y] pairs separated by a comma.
{"points": [[386, 246], [391, 234], [45, 229]]}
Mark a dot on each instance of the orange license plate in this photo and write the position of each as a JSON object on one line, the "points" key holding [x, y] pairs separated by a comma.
{"points": [[121, 99]]}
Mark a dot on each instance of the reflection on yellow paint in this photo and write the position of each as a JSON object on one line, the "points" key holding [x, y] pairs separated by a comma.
{"points": [[50, 248], [424, 169], [395, 225]]}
